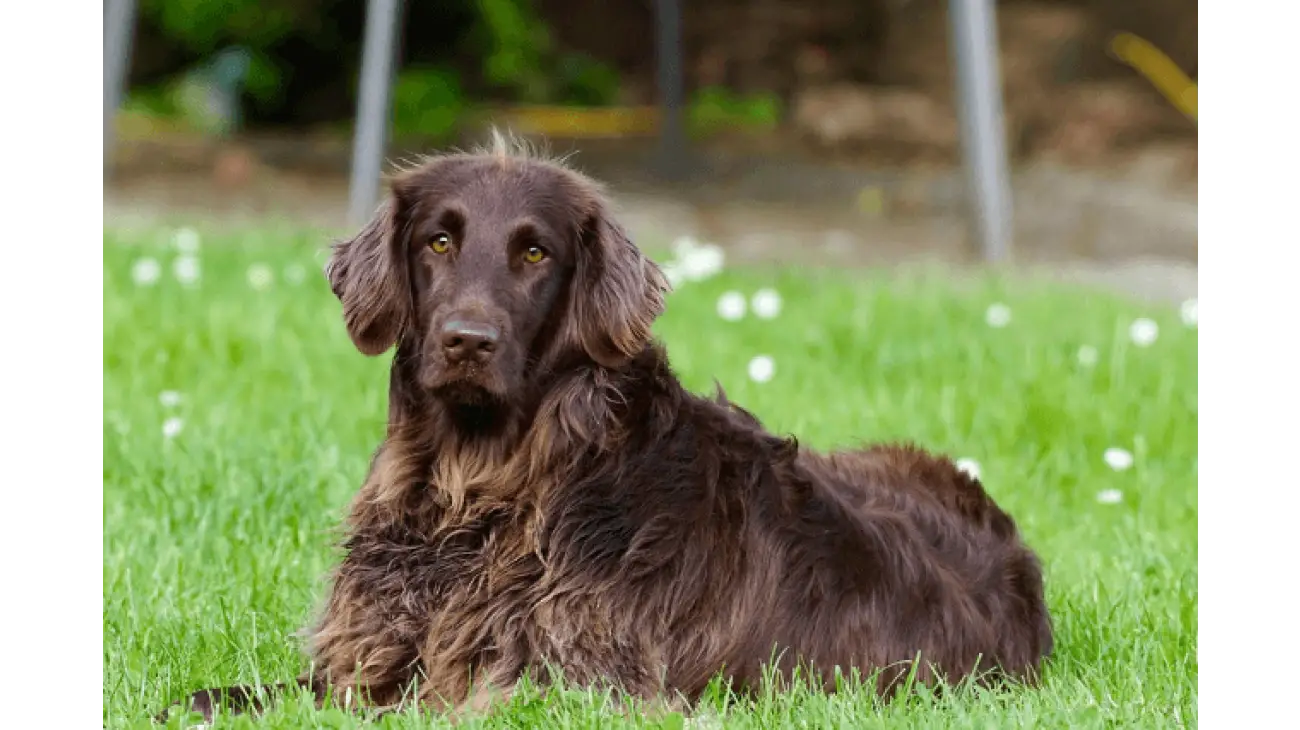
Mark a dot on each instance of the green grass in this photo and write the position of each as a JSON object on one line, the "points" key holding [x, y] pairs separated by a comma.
{"points": [[216, 541]]}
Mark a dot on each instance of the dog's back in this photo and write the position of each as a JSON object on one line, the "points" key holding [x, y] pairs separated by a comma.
{"points": [[959, 577], [855, 559]]}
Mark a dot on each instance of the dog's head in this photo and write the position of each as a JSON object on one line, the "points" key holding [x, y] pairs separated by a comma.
{"points": [[491, 270]]}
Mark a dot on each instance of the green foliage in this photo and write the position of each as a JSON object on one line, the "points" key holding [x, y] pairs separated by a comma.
{"points": [[520, 57], [207, 27], [518, 44], [156, 101], [716, 109], [586, 81], [516, 51], [204, 26], [427, 103], [264, 78]]}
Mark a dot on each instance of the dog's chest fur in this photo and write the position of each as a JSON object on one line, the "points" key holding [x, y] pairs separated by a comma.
{"points": [[468, 589]]}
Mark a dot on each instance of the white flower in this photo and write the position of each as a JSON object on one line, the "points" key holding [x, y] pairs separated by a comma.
{"points": [[169, 398], [998, 315], [146, 271], [171, 428], [731, 306], [295, 274], [1143, 332], [683, 246], [186, 240], [259, 276], [1087, 356], [1118, 459], [970, 466], [761, 369], [1110, 496], [186, 270], [702, 262], [703, 721], [1188, 312], [673, 273], [766, 303]]}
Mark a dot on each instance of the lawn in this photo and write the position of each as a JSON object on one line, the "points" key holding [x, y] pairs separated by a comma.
{"points": [[239, 420]]}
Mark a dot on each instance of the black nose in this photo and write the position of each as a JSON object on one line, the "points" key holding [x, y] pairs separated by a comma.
{"points": [[463, 341]]}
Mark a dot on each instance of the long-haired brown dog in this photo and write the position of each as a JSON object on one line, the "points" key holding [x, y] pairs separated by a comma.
{"points": [[548, 496]]}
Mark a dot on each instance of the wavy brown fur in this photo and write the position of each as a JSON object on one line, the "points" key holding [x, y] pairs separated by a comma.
{"points": [[570, 505]]}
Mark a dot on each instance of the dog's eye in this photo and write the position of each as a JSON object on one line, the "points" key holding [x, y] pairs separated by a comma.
{"points": [[440, 243], [534, 255]]}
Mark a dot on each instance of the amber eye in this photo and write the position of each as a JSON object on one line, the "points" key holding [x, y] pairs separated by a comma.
{"points": [[440, 243], [534, 255]]}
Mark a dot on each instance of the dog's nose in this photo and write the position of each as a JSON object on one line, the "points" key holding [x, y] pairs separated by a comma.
{"points": [[463, 340]]}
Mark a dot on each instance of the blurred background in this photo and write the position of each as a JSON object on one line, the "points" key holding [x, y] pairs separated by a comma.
{"points": [[813, 132]]}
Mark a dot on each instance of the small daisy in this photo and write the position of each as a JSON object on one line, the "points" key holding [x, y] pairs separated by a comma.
{"points": [[761, 369], [146, 271], [702, 262], [766, 303], [259, 276], [169, 398], [1143, 332], [1118, 459], [1110, 496], [295, 274], [1188, 312], [684, 245], [703, 721], [186, 240], [997, 315], [673, 273], [970, 466], [171, 428], [731, 306], [1087, 356], [186, 269]]}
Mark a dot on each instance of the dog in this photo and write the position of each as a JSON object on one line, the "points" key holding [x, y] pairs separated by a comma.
{"points": [[548, 497]]}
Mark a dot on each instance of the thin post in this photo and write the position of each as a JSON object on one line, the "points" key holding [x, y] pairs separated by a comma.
{"points": [[668, 47], [115, 22], [373, 108], [983, 137], [116, 25]]}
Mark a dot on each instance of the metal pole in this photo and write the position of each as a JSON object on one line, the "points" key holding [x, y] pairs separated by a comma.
{"points": [[115, 21], [668, 45], [979, 111], [373, 107]]}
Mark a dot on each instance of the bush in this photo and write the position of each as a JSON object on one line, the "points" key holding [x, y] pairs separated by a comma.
{"points": [[427, 103], [715, 109]]}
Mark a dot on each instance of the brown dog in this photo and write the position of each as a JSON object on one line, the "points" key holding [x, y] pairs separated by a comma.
{"points": [[548, 495]]}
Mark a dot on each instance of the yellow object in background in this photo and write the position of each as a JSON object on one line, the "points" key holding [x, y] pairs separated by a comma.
{"points": [[579, 122], [871, 201], [1163, 73]]}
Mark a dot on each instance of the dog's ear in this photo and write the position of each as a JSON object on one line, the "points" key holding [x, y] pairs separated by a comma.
{"points": [[368, 274], [617, 292]]}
